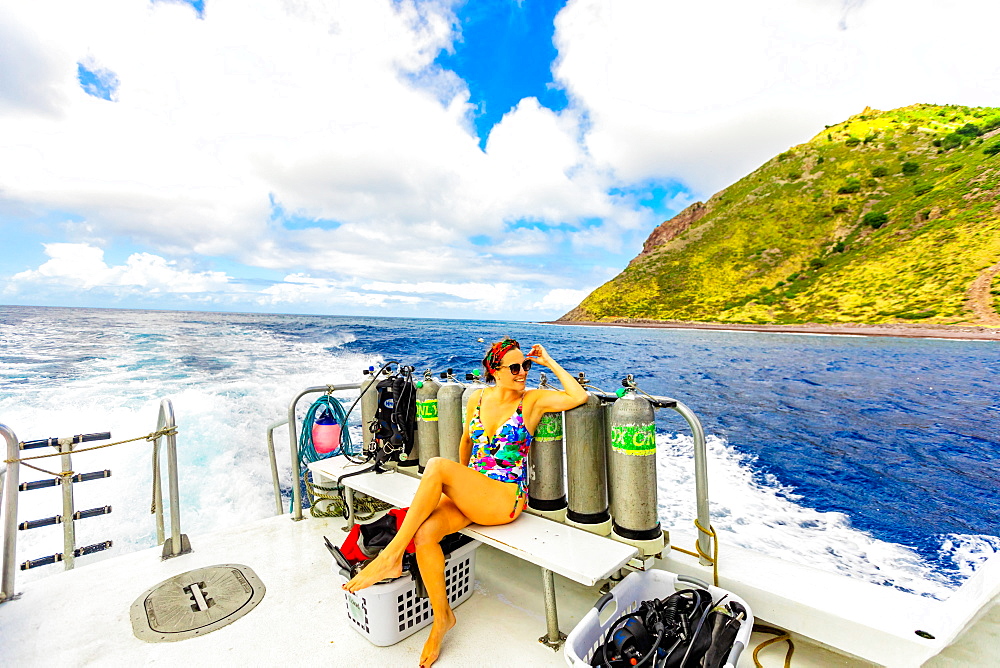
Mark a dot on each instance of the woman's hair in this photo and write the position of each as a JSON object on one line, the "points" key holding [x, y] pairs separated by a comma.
{"points": [[494, 356]]}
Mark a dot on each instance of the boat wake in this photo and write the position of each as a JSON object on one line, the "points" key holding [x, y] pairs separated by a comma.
{"points": [[756, 512]]}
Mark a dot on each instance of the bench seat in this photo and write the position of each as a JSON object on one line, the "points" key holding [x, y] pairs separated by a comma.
{"points": [[573, 553]]}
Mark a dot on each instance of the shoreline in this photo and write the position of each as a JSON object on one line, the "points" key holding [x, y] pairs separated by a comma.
{"points": [[959, 332]]}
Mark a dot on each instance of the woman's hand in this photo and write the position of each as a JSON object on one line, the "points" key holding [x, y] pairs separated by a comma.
{"points": [[538, 354]]}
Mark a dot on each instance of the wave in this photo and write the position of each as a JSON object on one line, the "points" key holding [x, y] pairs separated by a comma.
{"points": [[756, 512]]}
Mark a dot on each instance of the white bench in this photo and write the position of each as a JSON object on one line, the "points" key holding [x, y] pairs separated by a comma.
{"points": [[558, 548]]}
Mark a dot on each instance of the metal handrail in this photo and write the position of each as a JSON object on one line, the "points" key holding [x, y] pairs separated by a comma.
{"points": [[274, 464], [163, 421], [10, 514], [700, 479], [293, 440]]}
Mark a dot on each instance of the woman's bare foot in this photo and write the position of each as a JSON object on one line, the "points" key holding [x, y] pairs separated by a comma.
{"points": [[381, 567], [432, 648]]}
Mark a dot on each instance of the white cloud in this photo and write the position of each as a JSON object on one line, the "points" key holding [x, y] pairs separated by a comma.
{"points": [[334, 109], [302, 289], [82, 266], [561, 299], [484, 298], [75, 268], [706, 92]]}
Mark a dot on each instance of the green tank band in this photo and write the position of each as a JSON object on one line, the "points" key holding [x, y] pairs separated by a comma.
{"points": [[549, 428], [631, 439], [427, 411]]}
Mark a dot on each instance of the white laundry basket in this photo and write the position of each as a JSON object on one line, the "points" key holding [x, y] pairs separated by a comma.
{"points": [[387, 613], [637, 587]]}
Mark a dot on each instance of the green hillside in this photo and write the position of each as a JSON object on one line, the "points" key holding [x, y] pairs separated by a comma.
{"points": [[887, 217]]}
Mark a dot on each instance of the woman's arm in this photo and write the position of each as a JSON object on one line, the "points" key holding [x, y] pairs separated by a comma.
{"points": [[572, 394]]}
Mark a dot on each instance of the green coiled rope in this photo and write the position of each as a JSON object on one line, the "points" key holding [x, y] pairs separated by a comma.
{"points": [[307, 450]]}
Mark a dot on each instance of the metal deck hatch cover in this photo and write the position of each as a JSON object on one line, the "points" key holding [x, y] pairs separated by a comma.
{"points": [[195, 603]]}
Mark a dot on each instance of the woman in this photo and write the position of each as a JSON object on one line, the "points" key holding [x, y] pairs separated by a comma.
{"points": [[488, 485]]}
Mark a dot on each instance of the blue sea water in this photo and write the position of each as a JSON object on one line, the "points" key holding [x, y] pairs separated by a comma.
{"points": [[873, 457]]}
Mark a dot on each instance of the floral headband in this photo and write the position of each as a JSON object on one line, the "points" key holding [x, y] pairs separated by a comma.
{"points": [[496, 352]]}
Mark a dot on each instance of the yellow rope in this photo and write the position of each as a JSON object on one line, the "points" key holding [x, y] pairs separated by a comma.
{"points": [[368, 506], [714, 558], [780, 636], [166, 431]]}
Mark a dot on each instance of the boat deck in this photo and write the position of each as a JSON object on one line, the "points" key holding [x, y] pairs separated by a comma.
{"points": [[81, 617]]}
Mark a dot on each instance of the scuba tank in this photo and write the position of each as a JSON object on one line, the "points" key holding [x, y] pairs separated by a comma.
{"points": [[632, 467], [325, 431], [546, 484], [476, 383], [451, 419], [586, 466], [427, 418]]}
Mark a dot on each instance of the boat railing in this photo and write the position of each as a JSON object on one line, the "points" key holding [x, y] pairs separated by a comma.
{"points": [[704, 522], [703, 518], [274, 464], [166, 428], [293, 441], [10, 514], [178, 544]]}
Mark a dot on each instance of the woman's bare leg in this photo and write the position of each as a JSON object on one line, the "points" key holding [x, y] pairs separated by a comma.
{"points": [[445, 519], [480, 499]]}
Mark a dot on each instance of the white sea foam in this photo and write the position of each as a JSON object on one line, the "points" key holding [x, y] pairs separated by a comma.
{"points": [[968, 552], [224, 395], [755, 512]]}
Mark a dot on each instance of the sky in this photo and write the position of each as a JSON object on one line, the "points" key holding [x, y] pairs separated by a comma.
{"points": [[495, 159]]}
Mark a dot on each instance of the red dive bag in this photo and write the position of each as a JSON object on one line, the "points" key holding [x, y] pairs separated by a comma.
{"points": [[366, 540]]}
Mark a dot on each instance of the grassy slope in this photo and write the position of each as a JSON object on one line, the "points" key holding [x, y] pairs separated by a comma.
{"points": [[781, 245]]}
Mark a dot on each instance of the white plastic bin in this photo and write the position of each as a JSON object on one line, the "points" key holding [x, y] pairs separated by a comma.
{"points": [[387, 613], [637, 587]]}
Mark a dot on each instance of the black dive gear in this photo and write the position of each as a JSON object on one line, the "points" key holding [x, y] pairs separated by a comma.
{"points": [[684, 630]]}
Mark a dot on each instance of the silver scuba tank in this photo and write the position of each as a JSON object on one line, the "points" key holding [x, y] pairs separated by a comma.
{"points": [[451, 419], [546, 482], [427, 418], [475, 382], [586, 470], [632, 465], [369, 403]]}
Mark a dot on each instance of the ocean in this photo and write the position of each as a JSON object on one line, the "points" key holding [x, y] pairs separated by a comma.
{"points": [[871, 457]]}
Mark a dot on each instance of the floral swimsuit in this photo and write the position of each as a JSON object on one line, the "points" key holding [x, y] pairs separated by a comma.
{"points": [[504, 458]]}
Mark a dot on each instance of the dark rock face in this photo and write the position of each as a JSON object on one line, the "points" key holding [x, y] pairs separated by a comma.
{"points": [[674, 227]]}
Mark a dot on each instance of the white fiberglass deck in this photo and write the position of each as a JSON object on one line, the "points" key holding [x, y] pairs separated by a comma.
{"points": [[80, 617]]}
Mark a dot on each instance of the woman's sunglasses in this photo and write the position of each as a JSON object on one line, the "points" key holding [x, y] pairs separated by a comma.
{"points": [[515, 368]]}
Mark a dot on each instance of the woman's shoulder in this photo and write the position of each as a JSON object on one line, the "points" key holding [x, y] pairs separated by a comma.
{"points": [[531, 396]]}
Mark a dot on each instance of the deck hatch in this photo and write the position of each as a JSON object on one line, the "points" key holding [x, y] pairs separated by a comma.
{"points": [[195, 603]]}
